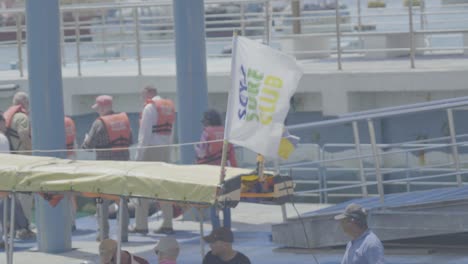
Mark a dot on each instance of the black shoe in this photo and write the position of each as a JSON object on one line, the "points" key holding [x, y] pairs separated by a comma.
{"points": [[164, 230]]}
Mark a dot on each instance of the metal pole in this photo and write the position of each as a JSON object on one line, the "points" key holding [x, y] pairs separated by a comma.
{"points": [[453, 139], [192, 95], [137, 38], [357, 142], [202, 242], [121, 32], [77, 41], [119, 231], [296, 14], [46, 114], [338, 33], [408, 182], [12, 228], [378, 173], [283, 206], [242, 7], [359, 23], [411, 32], [103, 34], [19, 43], [62, 39], [267, 22], [100, 207], [323, 179], [4, 227]]}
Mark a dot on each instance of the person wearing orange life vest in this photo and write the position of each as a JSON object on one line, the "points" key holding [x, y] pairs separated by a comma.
{"points": [[156, 129], [211, 152], [110, 131], [19, 136], [70, 136]]}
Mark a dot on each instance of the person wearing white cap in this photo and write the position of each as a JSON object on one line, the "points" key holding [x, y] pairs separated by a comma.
{"points": [[167, 249], [155, 134], [110, 132], [108, 254], [365, 247]]}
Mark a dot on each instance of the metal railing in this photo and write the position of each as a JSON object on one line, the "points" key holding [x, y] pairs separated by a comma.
{"points": [[340, 169], [142, 31]]}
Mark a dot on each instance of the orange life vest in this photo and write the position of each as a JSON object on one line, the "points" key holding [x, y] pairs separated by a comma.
{"points": [[166, 116], [8, 115], [214, 150], [118, 130], [70, 134]]}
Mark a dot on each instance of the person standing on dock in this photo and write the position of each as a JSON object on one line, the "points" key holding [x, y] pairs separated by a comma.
{"points": [[365, 247]]}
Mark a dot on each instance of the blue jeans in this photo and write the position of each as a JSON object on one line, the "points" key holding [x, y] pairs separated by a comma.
{"points": [[215, 223]]}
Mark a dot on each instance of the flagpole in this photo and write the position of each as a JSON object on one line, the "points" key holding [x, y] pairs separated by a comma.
{"points": [[222, 174]]}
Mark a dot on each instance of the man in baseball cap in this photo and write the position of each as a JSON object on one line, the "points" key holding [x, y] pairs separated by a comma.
{"points": [[220, 241], [365, 247]]}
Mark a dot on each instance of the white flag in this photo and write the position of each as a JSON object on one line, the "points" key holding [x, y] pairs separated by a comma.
{"points": [[263, 81]]}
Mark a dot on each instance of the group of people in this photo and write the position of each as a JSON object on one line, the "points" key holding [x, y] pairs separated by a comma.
{"points": [[167, 250], [111, 135]]}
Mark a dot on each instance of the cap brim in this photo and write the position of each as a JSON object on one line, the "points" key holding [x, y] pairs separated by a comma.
{"points": [[94, 106], [340, 216], [209, 239]]}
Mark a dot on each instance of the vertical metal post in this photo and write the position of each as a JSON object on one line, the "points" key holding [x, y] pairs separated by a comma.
{"points": [[411, 33], [338, 33], [137, 38], [456, 158], [408, 182], [375, 152], [202, 233], [242, 14], [119, 230], [76, 14], [359, 23], [4, 227], [267, 22], [323, 176], [357, 142], [283, 206], [12, 229], [62, 39], [19, 42], [47, 122], [121, 32], [103, 34], [296, 14], [192, 95]]}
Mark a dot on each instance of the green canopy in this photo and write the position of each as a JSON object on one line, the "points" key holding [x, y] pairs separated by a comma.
{"points": [[178, 183]]}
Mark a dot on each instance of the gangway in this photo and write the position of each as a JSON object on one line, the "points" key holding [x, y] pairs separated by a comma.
{"points": [[437, 210]]}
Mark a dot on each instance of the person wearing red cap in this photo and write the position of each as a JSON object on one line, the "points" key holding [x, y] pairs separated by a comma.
{"points": [[220, 241], [110, 132]]}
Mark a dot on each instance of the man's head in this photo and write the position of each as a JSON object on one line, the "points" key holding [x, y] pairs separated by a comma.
{"points": [[353, 220], [212, 118], [149, 92], [167, 248], [107, 251], [2, 123], [103, 104], [220, 241], [21, 98]]}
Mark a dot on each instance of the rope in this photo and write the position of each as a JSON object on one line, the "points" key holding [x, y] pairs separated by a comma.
{"points": [[110, 149]]}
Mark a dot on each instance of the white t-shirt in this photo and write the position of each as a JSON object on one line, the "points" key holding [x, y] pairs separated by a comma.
{"points": [[4, 145]]}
